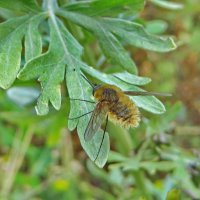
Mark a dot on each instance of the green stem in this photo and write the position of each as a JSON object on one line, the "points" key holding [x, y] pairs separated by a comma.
{"points": [[19, 150]]}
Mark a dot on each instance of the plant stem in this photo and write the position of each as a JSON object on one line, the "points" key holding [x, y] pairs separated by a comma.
{"points": [[19, 149]]}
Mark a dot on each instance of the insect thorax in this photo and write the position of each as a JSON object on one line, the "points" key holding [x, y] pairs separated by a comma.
{"points": [[107, 93]]}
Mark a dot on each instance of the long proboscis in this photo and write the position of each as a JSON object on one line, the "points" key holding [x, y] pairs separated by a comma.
{"points": [[91, 84], [143, 93]]}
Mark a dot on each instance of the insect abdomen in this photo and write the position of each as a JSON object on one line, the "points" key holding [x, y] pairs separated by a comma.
{"points": [[125, 112]]}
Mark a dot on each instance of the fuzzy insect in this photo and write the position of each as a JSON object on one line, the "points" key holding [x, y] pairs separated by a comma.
{"points": [[114, 104]]}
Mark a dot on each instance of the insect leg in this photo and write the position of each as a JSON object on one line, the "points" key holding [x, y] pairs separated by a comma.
{"points": [[104, 131], [80, 116], [83, 100]]}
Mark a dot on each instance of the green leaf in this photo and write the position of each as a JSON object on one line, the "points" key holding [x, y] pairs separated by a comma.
{"points": [[132, 79], [49, 68], [78, 88], [149, 103], [11, 33], [110, 45], [51, 91], [20, 5], [134, 34], [10, 26], [105, 7], [167, 4], [113, 49], [6, 14]]}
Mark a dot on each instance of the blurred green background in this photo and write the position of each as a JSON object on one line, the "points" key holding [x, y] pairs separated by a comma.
{"points": [[40, 159]]}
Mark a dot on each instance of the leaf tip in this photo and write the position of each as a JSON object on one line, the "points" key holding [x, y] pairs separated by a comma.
{"points": [[20, 75], [56, 103], [5, 85], [41, 109], [100, 164]]}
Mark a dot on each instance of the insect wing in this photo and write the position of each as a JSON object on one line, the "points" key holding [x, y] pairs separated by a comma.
{"points": [[142, 93], [97, 118]]}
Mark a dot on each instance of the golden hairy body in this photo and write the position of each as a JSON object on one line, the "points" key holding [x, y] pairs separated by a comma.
{"points": [[117, 105]]}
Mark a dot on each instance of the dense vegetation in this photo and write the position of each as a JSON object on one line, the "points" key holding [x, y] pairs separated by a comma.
{"points": [[45, 46]]}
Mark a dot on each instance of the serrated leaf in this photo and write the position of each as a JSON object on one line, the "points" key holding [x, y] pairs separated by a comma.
{"points": [[168, 4], [78, 88], [11, 34], [49, 68], [51, 91], [105, 7], [134, 34], [65, 50], [149, 103], [110, 45], [20, 5]]}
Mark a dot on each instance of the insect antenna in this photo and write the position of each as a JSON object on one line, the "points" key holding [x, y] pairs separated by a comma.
{"points": [[104, 131]]}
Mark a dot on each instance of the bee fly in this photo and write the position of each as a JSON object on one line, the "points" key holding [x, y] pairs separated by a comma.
{"points": [[115, 104]]}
